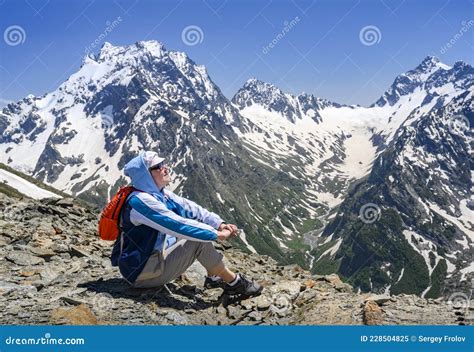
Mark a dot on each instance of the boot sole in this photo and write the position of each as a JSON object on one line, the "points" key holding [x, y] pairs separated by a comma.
{"points": [[228, 300], [246, 295], [209, 287]]}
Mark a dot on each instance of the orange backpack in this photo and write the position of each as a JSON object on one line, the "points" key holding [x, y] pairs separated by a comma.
{"points": [[109, 228]]}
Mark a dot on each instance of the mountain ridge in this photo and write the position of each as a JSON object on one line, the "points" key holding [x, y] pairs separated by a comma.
{"points": [[294, 158]]}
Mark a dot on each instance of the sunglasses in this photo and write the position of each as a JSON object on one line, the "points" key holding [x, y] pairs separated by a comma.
{"points": [[158, 166]]}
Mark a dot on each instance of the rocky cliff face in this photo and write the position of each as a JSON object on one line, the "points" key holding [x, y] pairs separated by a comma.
{"points": [[429, 75], [416, 188], [393, 182], [55, 270], [273, 99]]}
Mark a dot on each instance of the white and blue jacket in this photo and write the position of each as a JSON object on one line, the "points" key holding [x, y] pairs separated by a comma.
{"points": [[153, 219]]}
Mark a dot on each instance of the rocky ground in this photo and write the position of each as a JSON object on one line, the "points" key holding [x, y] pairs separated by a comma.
{"points": [[55, 270]]}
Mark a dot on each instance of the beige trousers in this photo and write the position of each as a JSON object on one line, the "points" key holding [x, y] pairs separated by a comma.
{"points": [[163, 267]]}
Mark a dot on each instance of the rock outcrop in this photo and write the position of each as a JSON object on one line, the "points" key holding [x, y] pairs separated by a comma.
{"points": [[55, 270]]}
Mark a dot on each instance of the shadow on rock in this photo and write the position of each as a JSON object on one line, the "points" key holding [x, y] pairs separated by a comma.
{"points": [[168, 296]]}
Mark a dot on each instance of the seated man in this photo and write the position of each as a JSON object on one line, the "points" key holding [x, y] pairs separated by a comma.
{"points": [[162, 233]]}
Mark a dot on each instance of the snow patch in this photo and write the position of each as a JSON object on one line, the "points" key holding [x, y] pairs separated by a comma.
{"points": [[25, 187]]}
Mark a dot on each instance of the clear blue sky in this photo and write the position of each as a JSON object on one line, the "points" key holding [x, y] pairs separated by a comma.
{"points": [[321, 54]]}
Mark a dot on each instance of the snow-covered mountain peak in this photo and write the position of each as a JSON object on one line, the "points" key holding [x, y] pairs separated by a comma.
{"points": [[266, 95], [271, 98], [150, 47], [160, 72], [106, 47], [255, 82], [431, 59], [425, 69], [117, 100], [461, 66], [150, 55], [428, 77], [429, 64], [267, 92]]}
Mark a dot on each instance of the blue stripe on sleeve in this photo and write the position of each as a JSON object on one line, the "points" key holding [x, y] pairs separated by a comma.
{"points": [[181, 210], [171, 224]]}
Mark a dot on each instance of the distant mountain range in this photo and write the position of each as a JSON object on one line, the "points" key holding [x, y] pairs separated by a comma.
{"points": [[382, 195]]}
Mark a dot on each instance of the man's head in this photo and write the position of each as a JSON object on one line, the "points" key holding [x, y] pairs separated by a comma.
{"points": [[159, 171]]}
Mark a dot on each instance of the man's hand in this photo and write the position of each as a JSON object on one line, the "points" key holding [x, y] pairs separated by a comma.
{"points": [[223, 235], [230, 227]]}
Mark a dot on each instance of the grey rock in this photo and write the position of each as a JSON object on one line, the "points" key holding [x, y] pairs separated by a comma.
{"points": [[263, 302], [221, 311], [291, 288], [248, 304], [343, 287], [234, 312], [195, 274], [65, 202], [41, 252], [176, 318], [50, 273], [78, 252], [60, 247], [7, 287], [255, 316], [379, 299], [72, 301], [24, 259]]}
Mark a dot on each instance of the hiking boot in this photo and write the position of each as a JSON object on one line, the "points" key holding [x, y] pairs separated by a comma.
{"points": [[244, 287], [210, 283]]}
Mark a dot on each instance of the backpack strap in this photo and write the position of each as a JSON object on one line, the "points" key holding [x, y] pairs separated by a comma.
{"points": [[120, 222]]}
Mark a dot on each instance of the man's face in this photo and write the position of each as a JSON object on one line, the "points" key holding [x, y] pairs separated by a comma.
{"points": [[161, 175]]}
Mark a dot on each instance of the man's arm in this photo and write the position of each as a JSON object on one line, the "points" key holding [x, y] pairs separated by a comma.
{"points": [[191, 210], [146, 210]]}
